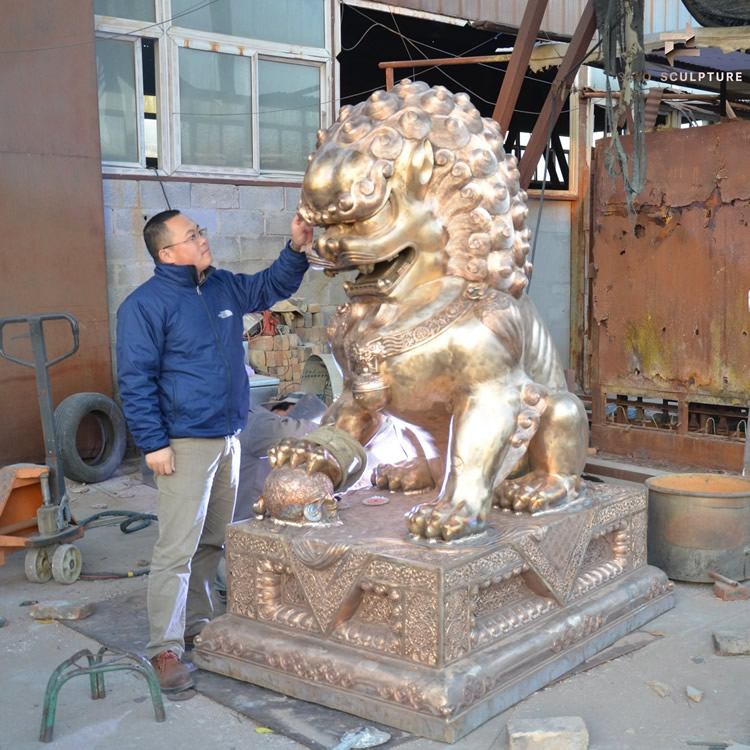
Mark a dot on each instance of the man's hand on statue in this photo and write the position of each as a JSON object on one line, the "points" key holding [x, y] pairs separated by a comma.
{"points": [[302, 232], [315, 458], [161, 461]]}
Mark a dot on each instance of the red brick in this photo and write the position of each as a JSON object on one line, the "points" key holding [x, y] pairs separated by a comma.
{"points": [[730, 593]]}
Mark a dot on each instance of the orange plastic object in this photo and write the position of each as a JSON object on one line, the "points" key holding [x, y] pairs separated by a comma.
{"points": [[20, 497]]}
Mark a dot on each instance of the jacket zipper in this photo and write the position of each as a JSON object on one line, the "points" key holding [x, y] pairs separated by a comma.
{"points": [[223, 355]]}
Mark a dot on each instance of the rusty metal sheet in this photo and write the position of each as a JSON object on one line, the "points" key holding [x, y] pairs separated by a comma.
{"points": [[670, 292], [654, 445], [51, 209]]}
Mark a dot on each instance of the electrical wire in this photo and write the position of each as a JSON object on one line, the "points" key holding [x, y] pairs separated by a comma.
{"points": [[156, 173], [445, 53], [109, 575], [405, 39], [129, 517]]}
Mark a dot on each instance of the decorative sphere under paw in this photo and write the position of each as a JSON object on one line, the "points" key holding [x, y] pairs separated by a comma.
{"points": [[294, 495]]}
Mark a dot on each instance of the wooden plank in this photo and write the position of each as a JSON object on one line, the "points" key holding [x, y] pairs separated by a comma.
{"points": [[579, 248]]}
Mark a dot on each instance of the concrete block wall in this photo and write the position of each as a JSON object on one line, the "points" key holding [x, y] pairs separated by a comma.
{"points": [[247, 225]]}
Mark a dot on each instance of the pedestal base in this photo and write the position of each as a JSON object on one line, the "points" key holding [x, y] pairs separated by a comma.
{"points": [[434, 639]]}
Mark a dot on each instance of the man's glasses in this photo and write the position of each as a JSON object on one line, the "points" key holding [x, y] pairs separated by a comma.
{"points": [[194, 237]]}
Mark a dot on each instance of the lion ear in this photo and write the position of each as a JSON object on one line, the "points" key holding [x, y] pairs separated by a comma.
{"points": [[422, 164]]}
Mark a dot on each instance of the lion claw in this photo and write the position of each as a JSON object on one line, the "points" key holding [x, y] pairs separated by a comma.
{"points": [[259, 508], [535, 492], [280, 453], [443, 521], [411, 475], [311, 456]]}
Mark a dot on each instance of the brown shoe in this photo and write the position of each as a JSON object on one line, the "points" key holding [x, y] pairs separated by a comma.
{"points": [[172, 675], [190, 641]]}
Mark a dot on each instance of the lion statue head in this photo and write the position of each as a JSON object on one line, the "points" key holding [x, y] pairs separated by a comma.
{"points": [[415, 182]]}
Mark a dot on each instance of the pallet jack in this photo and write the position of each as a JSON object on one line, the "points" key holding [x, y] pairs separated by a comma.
{"points": [[34, 508]]}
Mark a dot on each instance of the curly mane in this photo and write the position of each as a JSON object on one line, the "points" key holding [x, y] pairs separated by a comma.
{"points": [[474, 186]]}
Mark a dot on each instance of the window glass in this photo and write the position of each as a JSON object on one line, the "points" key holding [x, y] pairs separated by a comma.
{"points": [[288, 21], [215, 109], [115, 70], [138, 10], [289, 108]]}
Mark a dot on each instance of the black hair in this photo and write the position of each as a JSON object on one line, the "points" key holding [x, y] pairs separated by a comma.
{"points": [[155, 233], [280, 405]]}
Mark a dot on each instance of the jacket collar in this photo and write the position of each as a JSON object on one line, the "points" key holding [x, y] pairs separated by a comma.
{"points": [[181, 275]]}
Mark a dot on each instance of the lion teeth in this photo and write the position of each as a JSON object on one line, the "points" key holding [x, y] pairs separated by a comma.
{"points": [[367, 269]]}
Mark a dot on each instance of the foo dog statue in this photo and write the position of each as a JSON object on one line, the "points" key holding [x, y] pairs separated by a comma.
{"points": [[415, 192]]}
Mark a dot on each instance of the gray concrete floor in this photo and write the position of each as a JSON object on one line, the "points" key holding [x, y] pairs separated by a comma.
{"points": [[614, 699]]}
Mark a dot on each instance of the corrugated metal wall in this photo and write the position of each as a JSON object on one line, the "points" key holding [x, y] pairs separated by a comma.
{"points": [[561, 16]]}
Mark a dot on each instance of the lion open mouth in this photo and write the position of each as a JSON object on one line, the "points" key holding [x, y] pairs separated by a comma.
{"points": [[374, 246], [380, 278]]}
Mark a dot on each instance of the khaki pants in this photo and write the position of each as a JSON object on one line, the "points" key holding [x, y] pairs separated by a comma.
{"points": [[194, 506]]}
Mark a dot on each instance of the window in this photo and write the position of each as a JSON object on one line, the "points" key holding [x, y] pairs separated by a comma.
{"points": [[233, 87], [288, 96], [118, 105]]}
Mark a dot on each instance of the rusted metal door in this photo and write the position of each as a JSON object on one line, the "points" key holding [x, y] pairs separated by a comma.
{"points": [[51, 210], [671, 325]]}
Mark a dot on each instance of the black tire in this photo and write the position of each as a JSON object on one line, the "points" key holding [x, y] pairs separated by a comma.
{"points": [[105, 429]]}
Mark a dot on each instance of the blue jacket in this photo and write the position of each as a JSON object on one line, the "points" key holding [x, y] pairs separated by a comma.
{"points": [[180, 359]]}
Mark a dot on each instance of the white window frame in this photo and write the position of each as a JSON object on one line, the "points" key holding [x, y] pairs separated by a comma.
{"points": [[169, 38], [124, 33]]}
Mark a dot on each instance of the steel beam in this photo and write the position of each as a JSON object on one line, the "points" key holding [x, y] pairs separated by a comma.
{"points": [[519, 62], [558, 92]]}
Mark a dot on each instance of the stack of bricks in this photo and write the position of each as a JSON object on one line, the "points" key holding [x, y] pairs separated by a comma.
{"points": [[283, 356]]}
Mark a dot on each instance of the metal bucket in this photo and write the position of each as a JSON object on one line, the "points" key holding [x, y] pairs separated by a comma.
{"points": [[699, 523]]}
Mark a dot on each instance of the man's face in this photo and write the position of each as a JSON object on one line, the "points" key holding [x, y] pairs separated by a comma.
{"points": [[185, 246]]}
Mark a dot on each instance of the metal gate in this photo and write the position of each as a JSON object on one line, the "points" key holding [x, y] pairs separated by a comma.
{"points": [[670, 328]]}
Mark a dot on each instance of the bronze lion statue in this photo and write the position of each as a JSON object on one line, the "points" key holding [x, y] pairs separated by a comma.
{"points": [[416, 194]]}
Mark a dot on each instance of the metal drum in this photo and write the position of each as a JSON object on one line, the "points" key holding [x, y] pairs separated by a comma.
{"points": [[699, 523]]}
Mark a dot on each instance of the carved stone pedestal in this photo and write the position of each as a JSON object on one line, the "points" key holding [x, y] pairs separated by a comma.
{"points": [[432, 638]]}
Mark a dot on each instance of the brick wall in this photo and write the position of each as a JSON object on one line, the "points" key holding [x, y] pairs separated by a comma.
{"points": [[301, 334]]}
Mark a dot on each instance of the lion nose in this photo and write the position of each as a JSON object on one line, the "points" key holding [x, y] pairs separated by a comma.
{"points": [[329, 248]]}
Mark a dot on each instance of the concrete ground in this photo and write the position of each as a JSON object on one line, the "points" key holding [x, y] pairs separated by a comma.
{"points": [[620, 709]]}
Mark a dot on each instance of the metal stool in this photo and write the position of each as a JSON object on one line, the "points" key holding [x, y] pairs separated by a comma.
{"points": [[95, 670]]}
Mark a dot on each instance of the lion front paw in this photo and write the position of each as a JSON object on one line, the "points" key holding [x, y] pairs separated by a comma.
{"points": [[411, 475], [535, 491], [442, 520], [309, 456]]}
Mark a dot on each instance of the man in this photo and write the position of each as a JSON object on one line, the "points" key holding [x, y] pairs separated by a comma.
{"points": [[185, 392]]}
